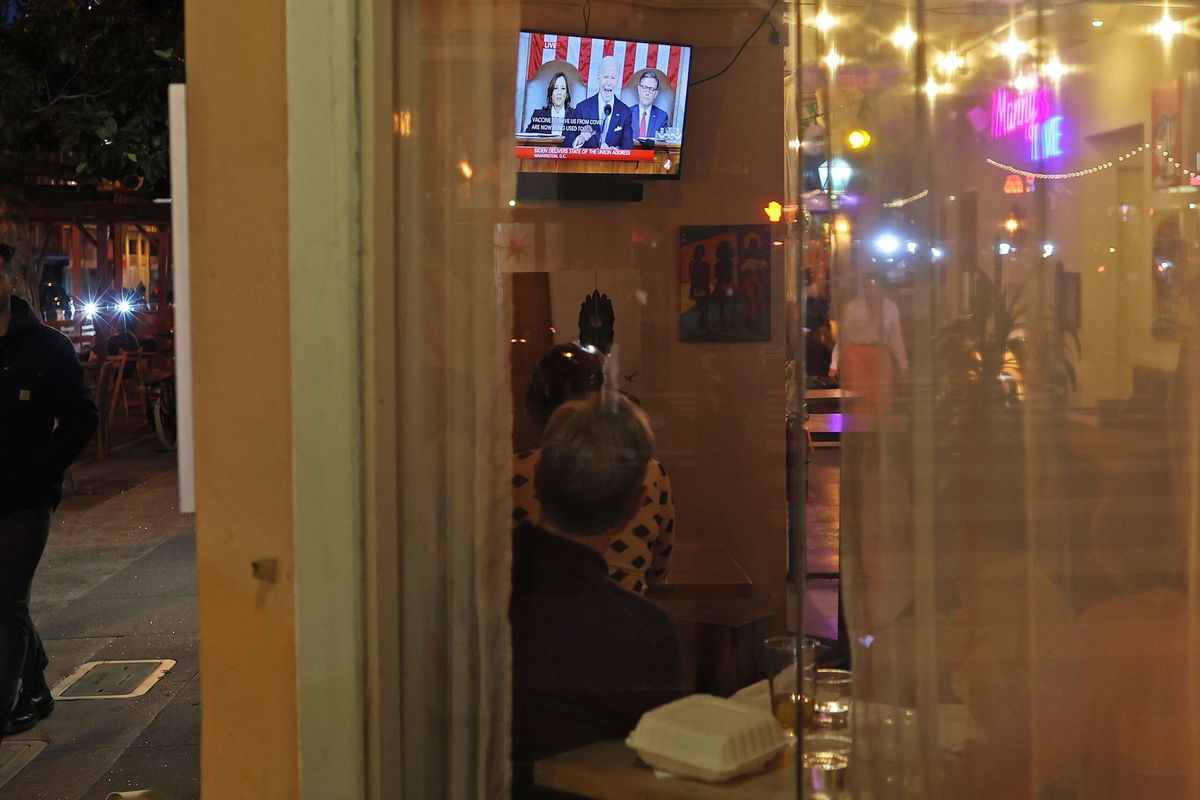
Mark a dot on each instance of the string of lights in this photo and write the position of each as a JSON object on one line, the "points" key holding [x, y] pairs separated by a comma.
{"points": [[906, 200], [1178, 166], [1079, 173]]}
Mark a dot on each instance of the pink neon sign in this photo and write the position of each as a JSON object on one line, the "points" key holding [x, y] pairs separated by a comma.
{"points": [[1011, 113]]}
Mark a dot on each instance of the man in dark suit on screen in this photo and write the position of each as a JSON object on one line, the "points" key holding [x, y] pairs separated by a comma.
{"points": [[645, 119], [600, 120]]}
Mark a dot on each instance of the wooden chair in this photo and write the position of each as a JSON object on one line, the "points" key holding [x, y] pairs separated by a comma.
{"points": [[116, 365], [108, 378], [134, 380]]}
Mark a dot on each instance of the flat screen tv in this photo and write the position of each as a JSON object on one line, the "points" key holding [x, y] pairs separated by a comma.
{"points": [[586, 105]]}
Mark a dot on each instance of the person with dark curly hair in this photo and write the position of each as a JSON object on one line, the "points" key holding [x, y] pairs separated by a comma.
{"points": [[637, 556]]}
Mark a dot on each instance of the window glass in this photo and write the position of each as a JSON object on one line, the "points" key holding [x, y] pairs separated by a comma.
{"points": [[1004, 195], [913, 330]]}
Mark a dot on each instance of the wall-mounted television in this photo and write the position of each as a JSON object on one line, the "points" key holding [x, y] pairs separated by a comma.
{"points": [[587, 105]]}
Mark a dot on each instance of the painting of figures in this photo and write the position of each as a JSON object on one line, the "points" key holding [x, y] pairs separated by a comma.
{"points": [[725, 283]]}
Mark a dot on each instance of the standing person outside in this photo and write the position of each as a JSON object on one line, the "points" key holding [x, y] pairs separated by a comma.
{"points": [[47, 416], [601, 118], [869, 339]]}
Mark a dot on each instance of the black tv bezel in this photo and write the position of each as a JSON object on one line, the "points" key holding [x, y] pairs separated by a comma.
{"points": [[616, 177]]}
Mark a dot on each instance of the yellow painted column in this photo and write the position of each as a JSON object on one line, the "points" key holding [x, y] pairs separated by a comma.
{"points": [[238, 148]]}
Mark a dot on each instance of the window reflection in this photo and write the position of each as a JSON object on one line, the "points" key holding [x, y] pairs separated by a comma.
{"points": [[1015, 537]]}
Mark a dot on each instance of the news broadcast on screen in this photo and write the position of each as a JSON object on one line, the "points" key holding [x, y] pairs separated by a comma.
{"points": [[604, 106]]}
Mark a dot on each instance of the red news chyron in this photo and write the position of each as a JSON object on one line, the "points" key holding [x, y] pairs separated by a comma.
{"points": [[585, 154]]}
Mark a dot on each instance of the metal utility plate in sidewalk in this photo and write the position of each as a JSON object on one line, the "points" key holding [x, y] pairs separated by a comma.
{"points": [[14, 755], [112, 680]]}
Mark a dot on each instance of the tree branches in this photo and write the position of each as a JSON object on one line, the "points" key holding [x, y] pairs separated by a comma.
{"points": [[85, 82]]}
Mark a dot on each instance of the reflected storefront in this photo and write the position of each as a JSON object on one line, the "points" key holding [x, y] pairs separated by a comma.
{"points": [[1018, 558]]}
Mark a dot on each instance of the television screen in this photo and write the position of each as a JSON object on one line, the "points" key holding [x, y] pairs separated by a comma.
{"points": [[600, 106]]}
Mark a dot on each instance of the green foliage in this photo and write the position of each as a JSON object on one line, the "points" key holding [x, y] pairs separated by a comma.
{"points": [[983, 358], [976, 351], [86, 83]]}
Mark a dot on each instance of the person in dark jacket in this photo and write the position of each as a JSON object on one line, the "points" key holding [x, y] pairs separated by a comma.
{"points": [[589, 657], [47, 416]]}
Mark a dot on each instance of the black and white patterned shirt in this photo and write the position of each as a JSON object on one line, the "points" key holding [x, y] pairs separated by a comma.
{"points": [[638, 555]]}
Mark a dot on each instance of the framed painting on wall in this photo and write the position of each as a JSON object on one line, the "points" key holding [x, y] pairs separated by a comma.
{"points": [[725, 283]]}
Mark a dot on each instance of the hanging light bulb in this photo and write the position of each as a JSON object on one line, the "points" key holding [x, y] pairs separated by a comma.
{"points": [[833, 59], [824, 21], [858, 139], [904, 37], [950, 63], [1013, 48], [1055, 69], [932, 88], [1023, 83]]}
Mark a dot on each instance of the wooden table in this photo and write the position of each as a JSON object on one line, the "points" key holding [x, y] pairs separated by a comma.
{"points": [[703, 570], [611, 771], [828, 394], [824, 430], [720, 621]]}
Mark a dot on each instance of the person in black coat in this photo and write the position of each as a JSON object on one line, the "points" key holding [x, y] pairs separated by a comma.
{"points": [[589, 657], [47, 417]]}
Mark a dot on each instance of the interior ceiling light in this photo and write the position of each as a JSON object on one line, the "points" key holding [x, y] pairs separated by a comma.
{"points": [[1023, 83], [833, 59], [1097, 23], [932, 88], [904, 37], [824, 20], [1167, 28]]}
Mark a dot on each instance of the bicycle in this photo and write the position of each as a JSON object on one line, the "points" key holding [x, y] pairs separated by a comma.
{"points": [[160, 404]]}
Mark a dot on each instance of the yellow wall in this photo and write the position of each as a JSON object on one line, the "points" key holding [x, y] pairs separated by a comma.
{"points": [[237, 124]]}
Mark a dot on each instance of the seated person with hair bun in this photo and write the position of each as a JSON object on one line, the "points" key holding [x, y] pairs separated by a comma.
{"points": [[589, 658], [638, 554]]}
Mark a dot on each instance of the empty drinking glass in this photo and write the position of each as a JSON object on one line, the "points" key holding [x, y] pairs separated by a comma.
{"points": [[825, 761], [831, 699]]}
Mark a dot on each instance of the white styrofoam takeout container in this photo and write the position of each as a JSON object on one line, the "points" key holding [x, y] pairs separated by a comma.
{"points": [[707, 737]]}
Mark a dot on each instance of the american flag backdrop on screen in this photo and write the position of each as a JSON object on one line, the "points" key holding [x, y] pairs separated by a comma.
{"points": [[585, 53]]}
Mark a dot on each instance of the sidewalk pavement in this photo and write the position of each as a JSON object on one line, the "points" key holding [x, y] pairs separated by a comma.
{"points": [[118, 581]]}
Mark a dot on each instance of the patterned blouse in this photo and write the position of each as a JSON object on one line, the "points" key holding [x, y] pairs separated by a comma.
{"points": [[638, 555]]}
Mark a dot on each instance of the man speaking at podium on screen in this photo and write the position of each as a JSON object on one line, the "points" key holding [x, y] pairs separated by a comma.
{"points": [[601, 119], [645, 118]]}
